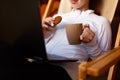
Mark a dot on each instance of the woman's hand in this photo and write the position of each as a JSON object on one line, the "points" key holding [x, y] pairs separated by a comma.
{"points": [[48, 28], [87, 34]]}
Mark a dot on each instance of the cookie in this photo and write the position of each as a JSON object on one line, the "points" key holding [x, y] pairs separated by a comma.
{"points": [[57, 20]]}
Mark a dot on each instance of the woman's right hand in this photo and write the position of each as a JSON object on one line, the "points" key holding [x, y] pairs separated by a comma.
{"points": [[48, 29]]}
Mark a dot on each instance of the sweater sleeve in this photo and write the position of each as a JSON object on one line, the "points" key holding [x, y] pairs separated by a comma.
{"points": [[93, 48]]}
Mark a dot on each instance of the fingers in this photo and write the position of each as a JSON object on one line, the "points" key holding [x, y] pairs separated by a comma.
{"points": [[47, 28], [87, 34], [47, 23]]}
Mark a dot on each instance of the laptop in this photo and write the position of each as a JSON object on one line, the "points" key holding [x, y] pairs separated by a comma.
{"points": [[21, 30]]}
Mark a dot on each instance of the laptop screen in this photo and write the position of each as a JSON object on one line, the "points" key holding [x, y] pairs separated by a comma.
{"points": [[20, 28]]}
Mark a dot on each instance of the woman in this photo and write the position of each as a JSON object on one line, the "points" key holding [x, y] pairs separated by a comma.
{"points": [[96, 36]]}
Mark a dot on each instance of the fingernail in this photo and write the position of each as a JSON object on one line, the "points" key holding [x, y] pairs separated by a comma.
{"points": [[52, 24], [81, 37]]}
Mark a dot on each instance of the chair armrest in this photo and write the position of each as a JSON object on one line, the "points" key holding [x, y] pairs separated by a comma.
{"points": [[102, 63]]}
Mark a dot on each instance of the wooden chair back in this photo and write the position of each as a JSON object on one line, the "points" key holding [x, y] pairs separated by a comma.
{"points": [[105, 8]]}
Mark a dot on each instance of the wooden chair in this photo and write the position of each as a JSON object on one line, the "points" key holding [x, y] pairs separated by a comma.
{"points": [[97, 67]]}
